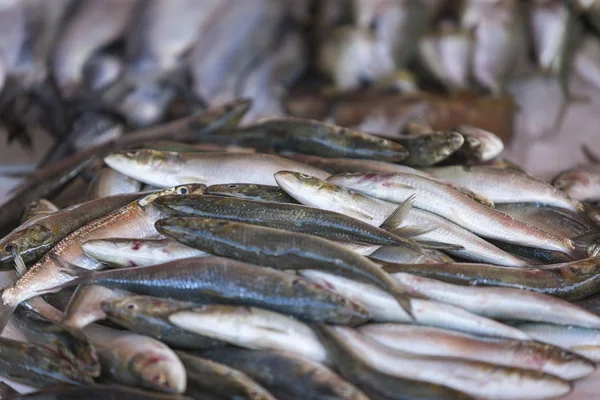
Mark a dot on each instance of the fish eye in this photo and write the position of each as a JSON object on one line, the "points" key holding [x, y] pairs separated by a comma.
{"points": [[304, 176], [182, 190], [9, 248], [232, 186], [133, 153], [131, 306]]}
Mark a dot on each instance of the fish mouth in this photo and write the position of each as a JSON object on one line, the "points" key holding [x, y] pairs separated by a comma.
{"points": [[159, 372]]}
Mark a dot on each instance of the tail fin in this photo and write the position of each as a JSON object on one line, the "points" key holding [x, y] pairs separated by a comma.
{"points": [[396, 218], [67, 268]]}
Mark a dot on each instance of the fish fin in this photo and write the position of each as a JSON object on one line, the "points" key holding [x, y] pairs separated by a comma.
{"points": [[67, 268], [6, 310], [430, 244], [19, 263], [589, 154], [395, 219], [411, 231]]}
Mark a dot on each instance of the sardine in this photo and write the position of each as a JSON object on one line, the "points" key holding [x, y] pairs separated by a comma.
{"points": [[441, 200], [160, 168], [149, 316], [252, 328], [510, 353], [505, 186], [383, 308], [289, 217], [97, 391], [583, 341], [287, 375], [429, 148], [213, 279], [581, 183], [137, 360], [251, 192], [85, 306], [134, 219], [39, 207], [276, 248], [109, 182], [480, 145], [138, 252], [220, 379], [354, 366]]}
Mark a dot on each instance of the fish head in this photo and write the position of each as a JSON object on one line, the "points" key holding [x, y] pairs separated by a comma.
{"points": [[578, 183], [130, 308], [159, 371], [25, 241], [140, 162], [300, 186], [180, 190]]}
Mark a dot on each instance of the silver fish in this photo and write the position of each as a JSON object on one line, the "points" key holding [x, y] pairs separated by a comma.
{"points": [[85, 306], [109, 182], [584, 341]]}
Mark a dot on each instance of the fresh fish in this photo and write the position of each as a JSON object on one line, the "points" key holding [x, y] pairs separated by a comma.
{"points": [[441, 200], [220, 379], [383, 308], [160, 168], [429, 148], [134, 219], [148, 315], [39, 207], [251, 192], [137, 360], [289, 217], [583, 341], [354, 366], [252, 328], [510, 353], [36, 237], [37, 366], [402, 255], [581, 183], [97, 391], [85, 306], [480, 145], [92, 26], [138, 252], [505, 186], [109, 182], [179, 147], [475, 378], [312, 137], [573, 280], [276, 248], [422, 224], [338, 165], [287, 375], [213, 279]]}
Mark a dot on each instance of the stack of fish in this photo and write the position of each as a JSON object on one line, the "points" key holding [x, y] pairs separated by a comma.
{"points": [[291, 259]]}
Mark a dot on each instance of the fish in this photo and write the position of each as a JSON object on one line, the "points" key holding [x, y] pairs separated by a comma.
{"points": [[474, 378], [221, 379], [383, 308], [581, 183], [134, 219], [401, 255], [68, 344], [429, 148], [480, 145], [574, 280], [148, 315], [85, 306], [583, 341], [109, 182], [421, 224], [287, 375], [252, 328], [353, 366], [439, 199], [277, 249], [160, 168], [166, 145], [430, 341], [39, 207], [138, 252], [251, 192], [214, 279], [137, 360], [36, 237], [289, 217], [37, 366], [83, 35], [97, 391], [505, 186]]}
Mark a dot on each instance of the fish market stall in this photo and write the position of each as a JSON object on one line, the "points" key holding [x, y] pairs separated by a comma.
{"points": [[290, 199]]}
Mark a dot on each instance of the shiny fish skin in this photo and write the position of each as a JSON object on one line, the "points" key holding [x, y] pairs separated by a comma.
{"points": [[429, 148], [149, 316], [138, 252], [251, 192], [85, 306], [583, 341], [276, 248], [214, 279], [581, 183], [286, 375], [289, 217], [109, 182], [383, 308], [159, 168], [438, 198], [511, 353], [252, 328], [505, 186], [485, 146]]}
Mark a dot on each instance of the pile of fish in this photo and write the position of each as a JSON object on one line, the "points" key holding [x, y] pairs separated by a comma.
{"points": [[292, 258]]}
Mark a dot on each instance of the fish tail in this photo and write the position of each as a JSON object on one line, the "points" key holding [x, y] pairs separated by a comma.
{"points": [[6, 310], [67, 268]]}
